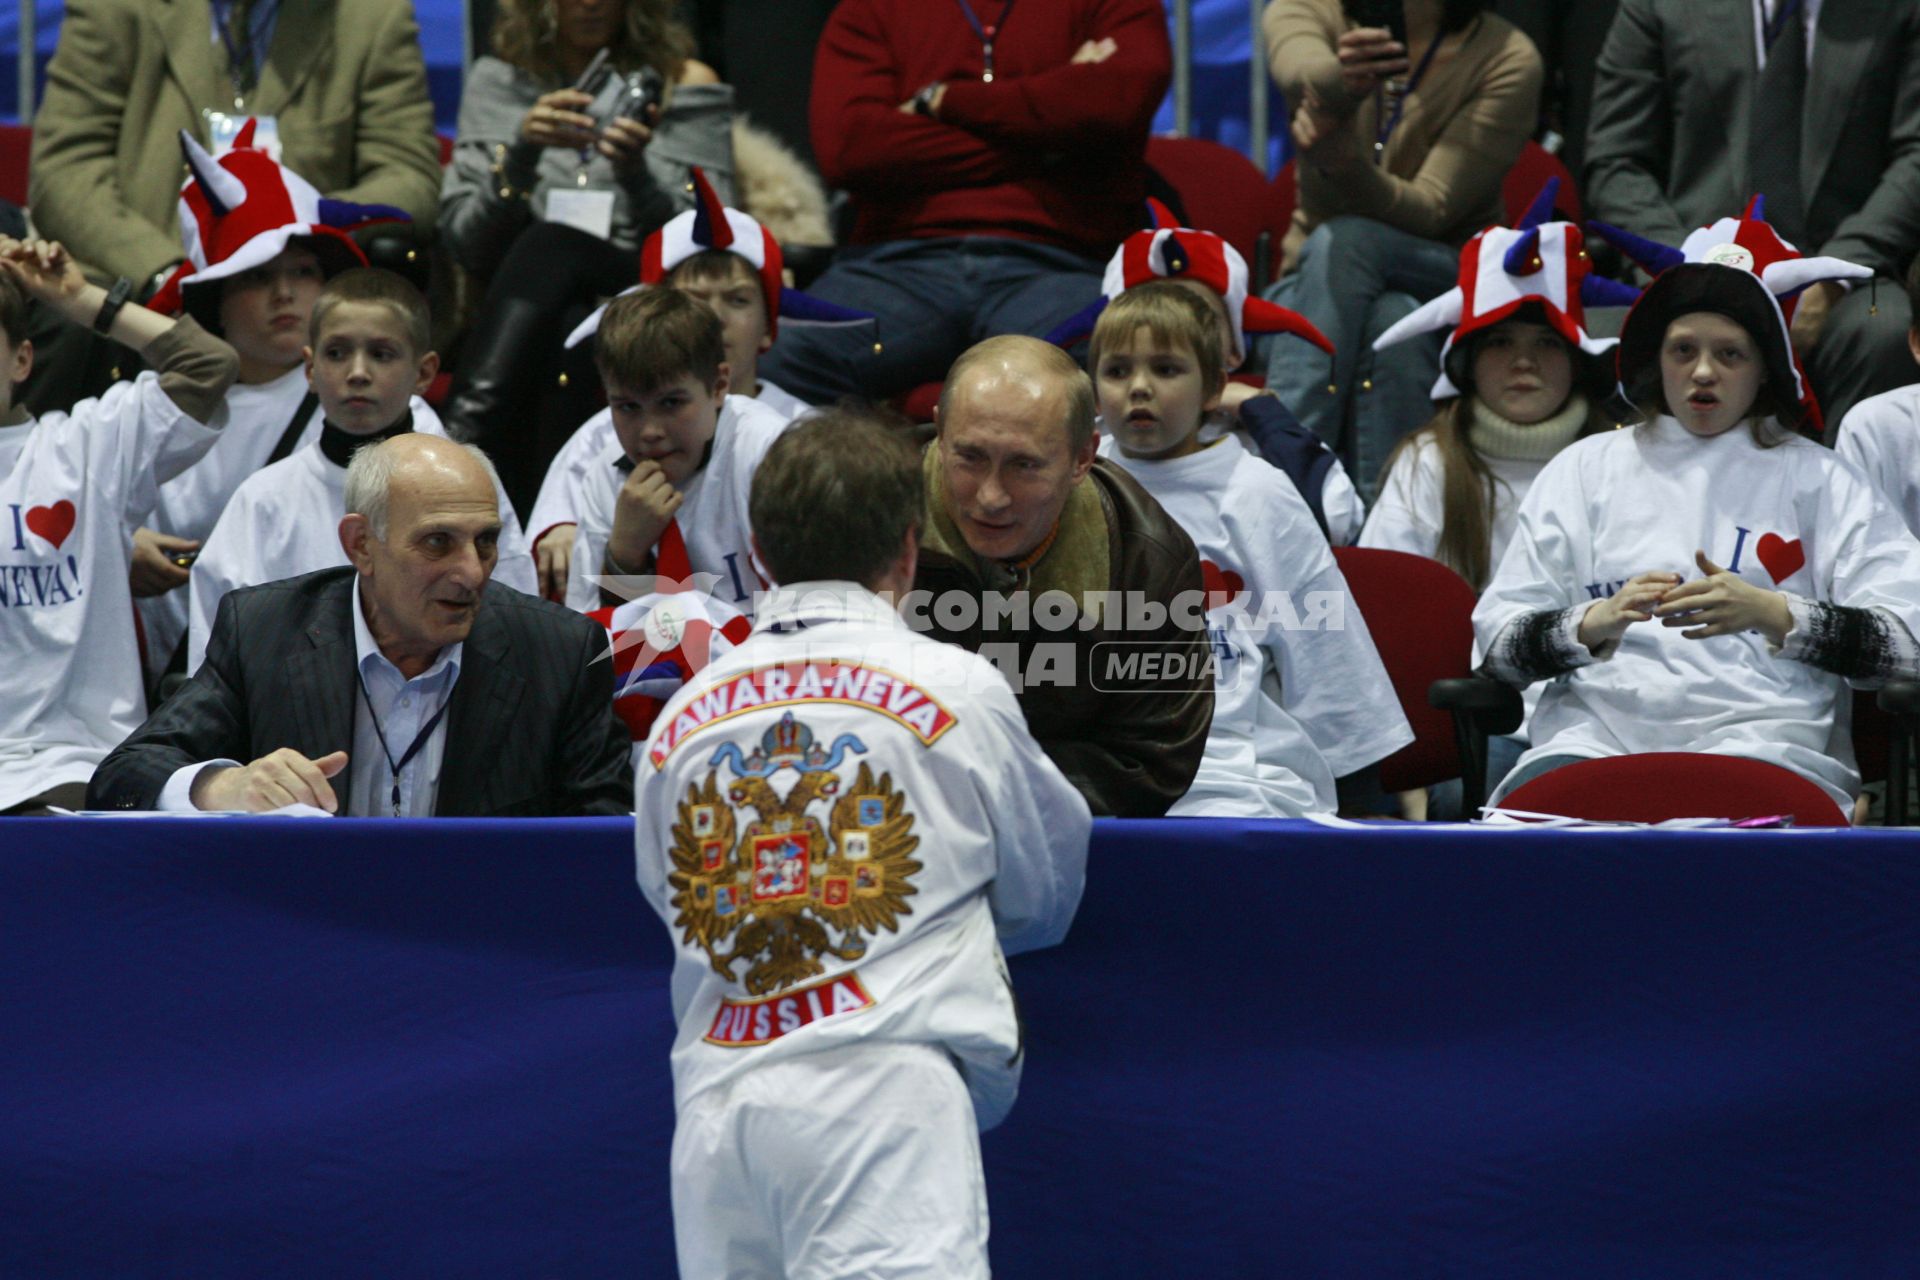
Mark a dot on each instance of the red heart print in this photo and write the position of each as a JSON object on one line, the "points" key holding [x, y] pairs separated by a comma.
{"points": [[1223, 585], [53, 523], [1782, 559]]}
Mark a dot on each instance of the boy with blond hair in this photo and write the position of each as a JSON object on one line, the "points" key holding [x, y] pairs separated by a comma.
{"points": [[369, 359], [1301, 697]]}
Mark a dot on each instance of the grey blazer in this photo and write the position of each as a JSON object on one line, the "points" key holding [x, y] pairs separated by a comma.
{"points": [[1667, 152], [530, 731]]}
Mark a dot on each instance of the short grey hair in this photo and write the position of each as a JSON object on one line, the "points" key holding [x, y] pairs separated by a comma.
{"points": [[370, 479]]}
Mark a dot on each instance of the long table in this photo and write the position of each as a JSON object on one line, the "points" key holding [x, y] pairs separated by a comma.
{"points": [[246, 1047]]}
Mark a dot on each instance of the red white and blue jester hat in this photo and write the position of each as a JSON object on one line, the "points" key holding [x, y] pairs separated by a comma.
{"points": [[711, 224], [1540, 265], [1683, 282], [241, 211], [1168, 251]]}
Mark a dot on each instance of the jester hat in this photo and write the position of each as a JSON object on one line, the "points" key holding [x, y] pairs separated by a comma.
{"points": [[1761, 296], [1539, 265], [712, 225], [242, 210], [1168, 251]]}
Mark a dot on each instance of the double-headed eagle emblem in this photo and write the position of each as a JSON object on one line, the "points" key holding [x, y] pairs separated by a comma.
{"points": [[780, 891]]}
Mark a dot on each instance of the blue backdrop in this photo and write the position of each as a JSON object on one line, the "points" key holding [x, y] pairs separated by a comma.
{"points": [[244, 1048]]}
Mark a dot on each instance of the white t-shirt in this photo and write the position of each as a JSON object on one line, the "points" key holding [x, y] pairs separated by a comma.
{"points": [[1339, 501], [1881, 436], [73, 487], [711, 523], [1794, 518], [1410, 512], [1295, 706], [591, 440], [284, 521], [190, 504]]}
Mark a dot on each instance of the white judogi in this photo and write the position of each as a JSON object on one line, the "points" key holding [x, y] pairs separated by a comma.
{"points": [[73, 487], [559, 490], [711, 523], [1793, 518], [284, 521], [902, 830], [1881, 436], [190, 504], [1294, 706]]}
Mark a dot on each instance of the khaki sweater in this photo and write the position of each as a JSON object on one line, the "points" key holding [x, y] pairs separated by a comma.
{"points": [[1460, 132]]}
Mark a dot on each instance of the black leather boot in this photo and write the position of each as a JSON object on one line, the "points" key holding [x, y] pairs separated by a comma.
{"points": [[493, 386]]}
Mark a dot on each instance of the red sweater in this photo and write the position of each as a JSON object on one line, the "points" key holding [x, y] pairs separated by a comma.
{"points": [[1048, 151]]}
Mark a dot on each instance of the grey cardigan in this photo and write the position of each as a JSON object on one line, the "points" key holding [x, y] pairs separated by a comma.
{"points": [[479, 224]]}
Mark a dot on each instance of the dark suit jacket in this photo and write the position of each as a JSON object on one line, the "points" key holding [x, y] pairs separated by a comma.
{"points": [[1671, 108], [530, 731]]}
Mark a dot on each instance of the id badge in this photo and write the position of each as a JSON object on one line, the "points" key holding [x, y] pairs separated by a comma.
{"points": [[223, 127], [588, 211]]}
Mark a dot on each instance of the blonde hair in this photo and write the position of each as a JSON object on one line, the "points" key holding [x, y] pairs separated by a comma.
{"points": [[526, 31], [1174, 316]]}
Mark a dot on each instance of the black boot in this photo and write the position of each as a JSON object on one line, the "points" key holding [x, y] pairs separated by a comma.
{"points": [[492, 387]]}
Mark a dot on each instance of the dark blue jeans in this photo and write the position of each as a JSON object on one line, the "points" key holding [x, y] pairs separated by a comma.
{"points": [[934, 298]]}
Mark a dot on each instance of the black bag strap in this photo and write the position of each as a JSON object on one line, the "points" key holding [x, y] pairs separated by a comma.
{"points": [[291, 436]]}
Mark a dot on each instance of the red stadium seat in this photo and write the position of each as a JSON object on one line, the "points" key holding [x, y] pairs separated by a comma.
{"points": [[919, 403], [16, 150], [1530, 173], [1676, 784], [1221, 190], [446, 148], [1420, 613]]}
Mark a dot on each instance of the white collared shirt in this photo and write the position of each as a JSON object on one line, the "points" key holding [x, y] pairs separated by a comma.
{"points": [[400, 708], [1765, 9], [403, 706]]}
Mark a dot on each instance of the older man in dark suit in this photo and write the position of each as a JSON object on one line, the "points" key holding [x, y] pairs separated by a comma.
{"points": [[1814, 104], [405, 685]]}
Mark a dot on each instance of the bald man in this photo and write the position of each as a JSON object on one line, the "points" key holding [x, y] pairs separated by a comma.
{"points": [[405, 684], [1068, 575]]}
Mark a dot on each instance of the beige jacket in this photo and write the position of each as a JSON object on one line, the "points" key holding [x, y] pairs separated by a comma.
{"points": [[344, 78], [1461, 130]]}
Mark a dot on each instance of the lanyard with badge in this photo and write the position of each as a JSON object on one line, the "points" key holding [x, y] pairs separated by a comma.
{"points": [[224, 127], [987, 33], [1392, 121], [419, 741]]}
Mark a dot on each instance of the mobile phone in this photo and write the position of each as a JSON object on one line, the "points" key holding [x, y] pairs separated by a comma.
{"points": [[1390, 14], [184, 559], [638, 98]]}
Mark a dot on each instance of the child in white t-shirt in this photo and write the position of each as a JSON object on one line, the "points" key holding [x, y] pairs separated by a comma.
{"points": [[725, 259], [1520, 380], [368, 360], [260, 243], [1216, 274], [1881, 434], [72, 488], [1300, 695], [668, 498], [1776, 573]]}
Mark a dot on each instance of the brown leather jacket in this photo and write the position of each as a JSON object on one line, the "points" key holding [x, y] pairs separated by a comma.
{"points": [[1123, 710]]}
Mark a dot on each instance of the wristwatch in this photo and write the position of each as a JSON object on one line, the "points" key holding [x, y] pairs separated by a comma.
{"points": [[116, 298], [923, 100]]}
